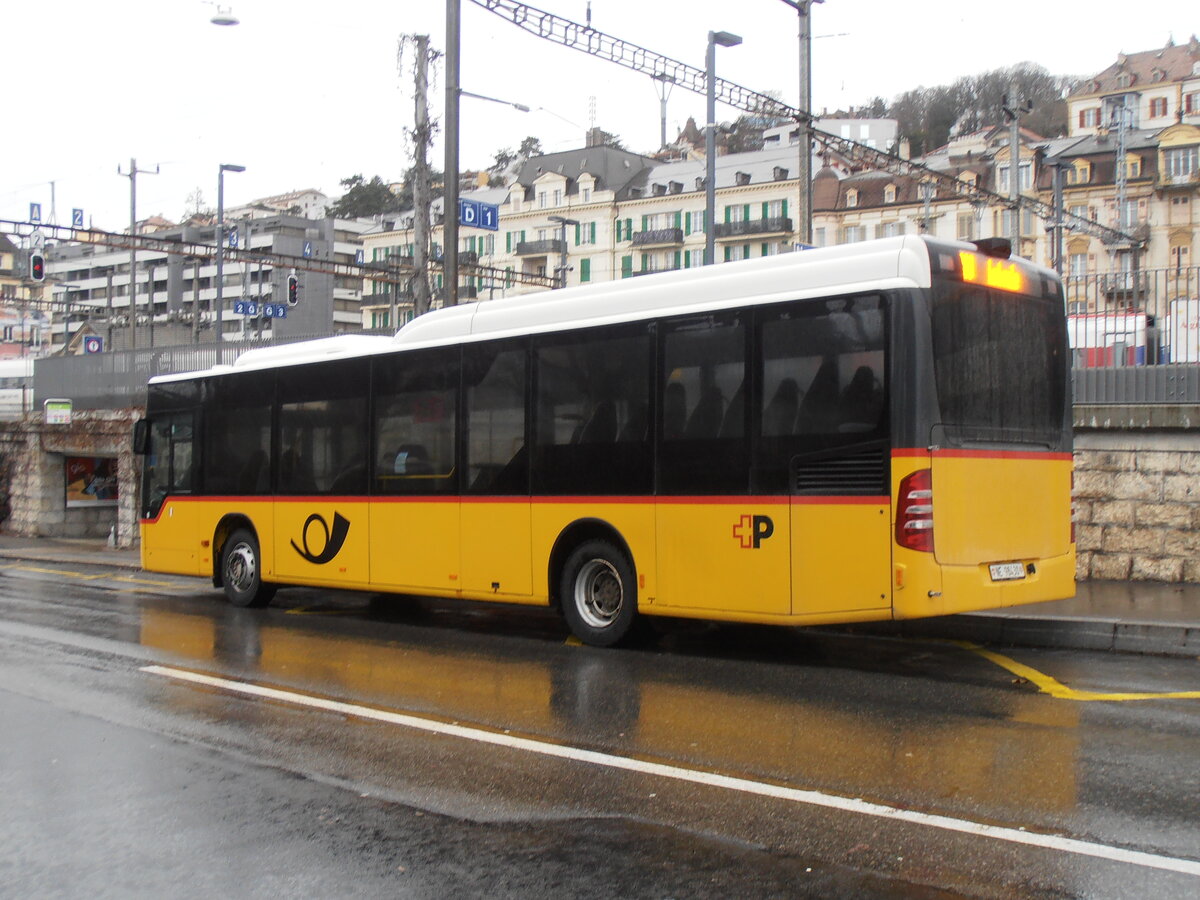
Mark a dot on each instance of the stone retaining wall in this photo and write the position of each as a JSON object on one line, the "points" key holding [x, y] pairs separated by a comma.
{"points": [[1137, 506], [33, 486]]}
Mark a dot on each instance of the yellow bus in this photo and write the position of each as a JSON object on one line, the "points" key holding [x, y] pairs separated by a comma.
{"points": [[864, 432]]}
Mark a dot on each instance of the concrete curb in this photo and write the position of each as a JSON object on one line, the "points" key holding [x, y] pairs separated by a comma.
{"points": [[116, 559]]}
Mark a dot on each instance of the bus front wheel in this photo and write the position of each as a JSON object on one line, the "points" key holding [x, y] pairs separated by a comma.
{"points": [[599, 594], [241, 571]]}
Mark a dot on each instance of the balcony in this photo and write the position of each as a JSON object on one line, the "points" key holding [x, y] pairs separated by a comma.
{"points": [[1167, 182], [539, 248], [638, 272], [1124, 285], [659, 237], [776, 225]]}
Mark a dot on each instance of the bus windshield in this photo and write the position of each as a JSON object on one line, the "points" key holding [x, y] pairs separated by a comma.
{"points": [[1000, 364]]}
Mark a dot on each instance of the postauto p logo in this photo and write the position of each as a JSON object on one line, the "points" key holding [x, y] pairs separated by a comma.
{"points": [[333, 538], [751, 531]]}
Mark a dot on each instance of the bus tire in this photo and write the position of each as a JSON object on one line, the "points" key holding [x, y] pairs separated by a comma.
{"points": [[599, 594], [241, 571]]}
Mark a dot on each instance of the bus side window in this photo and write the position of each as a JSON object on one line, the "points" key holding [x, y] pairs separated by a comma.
{"points": [[416, 402], [495, 383], [703, 447], [822, 382], [592, 395]]}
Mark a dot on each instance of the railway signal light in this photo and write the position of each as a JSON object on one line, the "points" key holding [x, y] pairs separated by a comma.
{"points": [[37, 266], [293, 290]]}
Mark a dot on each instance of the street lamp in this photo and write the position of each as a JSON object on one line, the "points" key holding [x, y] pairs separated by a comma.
{"points": [[563, 222], [224, 167], [725, 39], [804, 9]]}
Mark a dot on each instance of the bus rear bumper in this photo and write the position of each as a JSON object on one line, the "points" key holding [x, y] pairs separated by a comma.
{"points": [[975, 588]]}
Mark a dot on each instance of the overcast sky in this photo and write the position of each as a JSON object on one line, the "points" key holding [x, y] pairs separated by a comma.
{"points": [[306, 93]]}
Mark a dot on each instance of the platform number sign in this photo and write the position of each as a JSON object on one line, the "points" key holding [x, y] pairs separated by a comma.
{"points": [[77, 218]]}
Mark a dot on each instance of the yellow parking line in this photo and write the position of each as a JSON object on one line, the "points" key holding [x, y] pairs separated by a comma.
{"points": [[573, 641], [80, 575], [1055, 688], [318, 611], [128, 580]]}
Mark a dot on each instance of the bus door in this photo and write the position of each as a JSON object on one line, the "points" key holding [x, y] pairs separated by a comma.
{"points": [[823, 441], [415, 535], [496, 546]]}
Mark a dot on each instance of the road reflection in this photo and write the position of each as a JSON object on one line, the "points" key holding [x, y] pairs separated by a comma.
{"points": [[900, 738]]}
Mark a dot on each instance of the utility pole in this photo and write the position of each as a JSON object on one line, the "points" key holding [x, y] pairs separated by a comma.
{"points": [[132, 175], [804, 120], [1013, 109], [450, 190], [422, 138]]}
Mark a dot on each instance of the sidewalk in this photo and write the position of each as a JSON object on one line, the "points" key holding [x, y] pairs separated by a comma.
{"points": [[1125, 617]]}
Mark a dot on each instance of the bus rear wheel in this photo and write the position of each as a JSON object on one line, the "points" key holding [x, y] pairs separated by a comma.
{"points": [[241, 571], [599, 594]]}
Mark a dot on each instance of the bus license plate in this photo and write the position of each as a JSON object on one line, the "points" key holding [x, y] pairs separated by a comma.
{"points": [[1007, 571]]}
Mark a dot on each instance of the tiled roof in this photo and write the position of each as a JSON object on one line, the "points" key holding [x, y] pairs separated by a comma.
{"points": [[1171, 63]]}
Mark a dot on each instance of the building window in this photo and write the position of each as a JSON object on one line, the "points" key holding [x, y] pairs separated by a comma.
{"points": [[585, 195], [891, 229], [1127, 214], [1026, 170], [851, 198], [852, 234], [558, 196], [889, 194], [966, 226], [542, 199], [1077, 265], [775, 209], [1080, 172], [1158, 107], [1180, 161], [819, 237], [1089, 118], [1133, 166]]}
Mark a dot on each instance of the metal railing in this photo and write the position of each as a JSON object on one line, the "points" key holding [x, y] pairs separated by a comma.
{"points": [[1134, 339], [752, 226], [118, 379], [1135, 336], [658, 236]]}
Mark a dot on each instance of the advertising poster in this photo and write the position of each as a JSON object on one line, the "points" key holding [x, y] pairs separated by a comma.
{"points": [[91, 481]]}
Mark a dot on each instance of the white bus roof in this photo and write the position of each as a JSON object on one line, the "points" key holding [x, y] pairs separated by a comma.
{"points": [[890, 263]]}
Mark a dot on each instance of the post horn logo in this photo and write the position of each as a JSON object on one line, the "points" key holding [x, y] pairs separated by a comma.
{"points": [[333, 538]]}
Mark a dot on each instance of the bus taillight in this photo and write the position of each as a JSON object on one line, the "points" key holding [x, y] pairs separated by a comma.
{"points": [[914, 516]]}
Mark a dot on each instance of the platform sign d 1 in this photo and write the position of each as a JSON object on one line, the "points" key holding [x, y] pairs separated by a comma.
{"points": [[476, 214]]}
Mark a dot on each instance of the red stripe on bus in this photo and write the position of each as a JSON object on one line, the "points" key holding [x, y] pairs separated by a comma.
{"points": [[980, 454], [723, 500]]}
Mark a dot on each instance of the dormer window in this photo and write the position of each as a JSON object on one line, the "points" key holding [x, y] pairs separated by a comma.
{"points": [[851, 198], [889, 194], [1124, 80], [1080, 172]]}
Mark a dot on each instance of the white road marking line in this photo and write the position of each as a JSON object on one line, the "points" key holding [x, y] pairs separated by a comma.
{"points": [[710, 779]]}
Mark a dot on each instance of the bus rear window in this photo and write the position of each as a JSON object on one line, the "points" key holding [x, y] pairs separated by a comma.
{"points": [[999, 363]]}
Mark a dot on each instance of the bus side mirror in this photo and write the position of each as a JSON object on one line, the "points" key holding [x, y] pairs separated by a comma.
{"points": [[141, 437]]}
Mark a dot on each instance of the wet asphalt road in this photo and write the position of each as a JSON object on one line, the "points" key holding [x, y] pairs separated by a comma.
{"points": [[713, 762]]}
